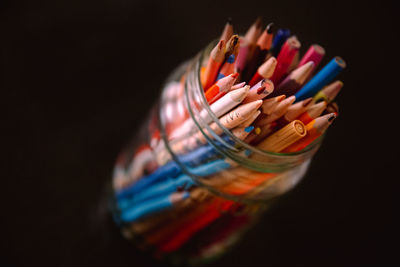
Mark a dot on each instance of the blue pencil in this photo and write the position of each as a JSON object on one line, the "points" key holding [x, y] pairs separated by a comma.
{"points": [[280, 37], [156, 190], [170, 185], [152, 206], [323, 77], [171, 169]]}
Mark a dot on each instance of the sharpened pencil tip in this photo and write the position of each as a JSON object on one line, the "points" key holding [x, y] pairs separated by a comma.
{"points": [[221, 44], [310, 63], [229, 21], [332, 117], [258, 103], [291, 99], [280, 98], [307, 101], [235, 75]]}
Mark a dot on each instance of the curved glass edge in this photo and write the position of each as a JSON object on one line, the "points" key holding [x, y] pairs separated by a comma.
{"points": [[307, 152]]}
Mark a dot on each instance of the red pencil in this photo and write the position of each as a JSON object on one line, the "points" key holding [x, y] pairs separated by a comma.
{"points": [[265, 71], [285, 58]]}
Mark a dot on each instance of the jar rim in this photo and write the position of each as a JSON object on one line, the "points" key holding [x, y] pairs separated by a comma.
{"points": [[311, 148]]}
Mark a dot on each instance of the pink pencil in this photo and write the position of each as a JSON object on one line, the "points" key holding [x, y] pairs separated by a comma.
{"points": [[315, 53]]}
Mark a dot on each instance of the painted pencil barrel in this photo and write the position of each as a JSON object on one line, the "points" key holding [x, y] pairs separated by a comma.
{"points": [[323, 77]]}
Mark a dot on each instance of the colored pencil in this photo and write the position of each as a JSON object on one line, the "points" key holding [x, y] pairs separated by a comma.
{"points": [[261, 49], [285, 58], [259, 91], [293, 82], [315, 53], [219, 107], [283, 109], [152, 206], [265, 71], [251, 119], [284, 137], [280, 37], [323, 77], [312, 112], [220, 87], [232, 51], [216, 58], [329, 92], [294, 111], [279, 111], [237, 86], [269, 105], [314, 129]]}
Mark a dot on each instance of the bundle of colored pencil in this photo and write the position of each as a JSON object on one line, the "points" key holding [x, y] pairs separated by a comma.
{"points": [[265, 93]]}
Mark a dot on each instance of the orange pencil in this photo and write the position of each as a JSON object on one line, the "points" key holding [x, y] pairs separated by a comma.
{"points": [[270, 104], [294, 111], [265, 71], [315, 129], [231, 54], [312, 112], [220, 87], [217, 57]]}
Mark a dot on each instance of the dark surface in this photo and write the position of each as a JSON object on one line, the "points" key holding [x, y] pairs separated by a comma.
{"points": [[77, 78]]}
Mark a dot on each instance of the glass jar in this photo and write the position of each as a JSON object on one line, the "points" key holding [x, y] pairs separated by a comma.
{"points": [[188, 198]]}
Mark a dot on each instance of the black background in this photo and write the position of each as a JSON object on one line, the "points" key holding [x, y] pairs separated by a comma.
{"points": [[77, 77]]}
